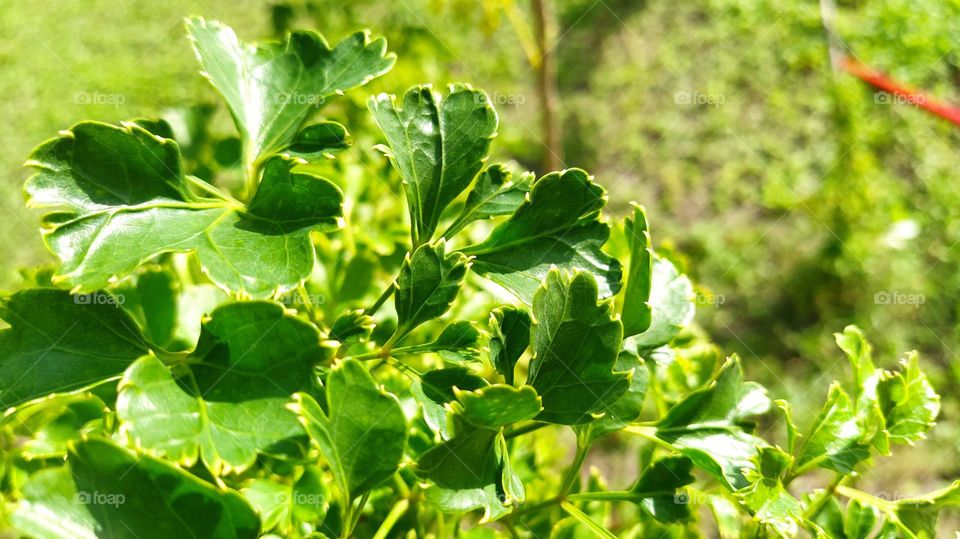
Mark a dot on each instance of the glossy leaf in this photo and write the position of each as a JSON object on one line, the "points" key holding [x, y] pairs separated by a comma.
{"points": [[362, 433], [658, 486], [510, 330], [835, 441], [627, 408], [576, 343], [128, 201], [59, 342], [457, 343], [637, 311], [496, 405], [429, 281], [672, 306], [558, 225], [437, 145], [321, 139], [436, 388], [231, 403], [154, 499], [493, 194], [271, 88], [471, 471], [709, 425]]}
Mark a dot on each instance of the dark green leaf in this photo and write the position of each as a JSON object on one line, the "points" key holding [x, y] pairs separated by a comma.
{"points": [[658, 487], [558, 225], [860, 520], [318, 140], [576, 342], [494, 193], [458, 343], [436, 388], [628, 407], [428, 283], [63, 342], [496, 405], [153, 499], [437, 146], [637, 312], [510, 329], [363, 433], [128, 202], [272, 88], [353, 325], [231, 403], [471, 471]]}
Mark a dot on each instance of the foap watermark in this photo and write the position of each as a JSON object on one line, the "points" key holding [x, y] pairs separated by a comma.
{"points": [[890, 297], [101, 498], [683, 497], [887, 98], [99, 298], [298, 98], [501, 100], [292, 299], [709, 298], [685, 98], [98, 98], [305, 499]]}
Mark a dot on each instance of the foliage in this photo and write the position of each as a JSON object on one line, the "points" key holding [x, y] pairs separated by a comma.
{"points": [[214, 357]]}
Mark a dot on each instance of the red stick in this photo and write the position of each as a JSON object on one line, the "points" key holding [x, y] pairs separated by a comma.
{"points": [[911, 96]]}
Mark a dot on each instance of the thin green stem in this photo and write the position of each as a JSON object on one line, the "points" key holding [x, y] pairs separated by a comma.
{"points": [[822, 498], [573, 472], [392, 517], [384, 296], [585, 519], [308, 304], [211, 189], [353, 514]]}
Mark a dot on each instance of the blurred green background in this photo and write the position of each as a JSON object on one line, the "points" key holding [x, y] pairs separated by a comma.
{"points": [[800, 200]]}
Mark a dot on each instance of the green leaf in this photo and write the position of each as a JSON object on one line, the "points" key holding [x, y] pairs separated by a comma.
{"points": [[911, 518], [428, 283], [321, 139], [627, 408], [908, 402], [836, 440], [854, 344], [709, 425], [49, 508], [230, 404], [437, 145], [860, 520], [471, 471], [271, 88], [767, 497], [363, 432], [58, 342], [671, 301], [128, 201], [436, 388], [510, 329], [558, 225], [636, 313], [157, 299], [352, 325], [458, 343], [283, 506], [658, 486], [496, 405], [493, 194], [576, 342], [153, 499]]}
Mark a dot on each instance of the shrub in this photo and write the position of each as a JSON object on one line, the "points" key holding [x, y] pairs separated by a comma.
{"points": [[211, 358]]}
